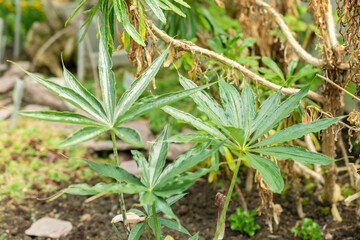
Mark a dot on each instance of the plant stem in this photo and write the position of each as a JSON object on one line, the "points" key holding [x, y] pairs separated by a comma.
{"points": [[149, 232], [116, 158], [121, 195], [228, 197], [156, 226], [116, 231]]}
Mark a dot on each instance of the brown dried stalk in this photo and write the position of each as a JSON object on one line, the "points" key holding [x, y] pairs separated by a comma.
{"points": [[292, 41], [220, 202], [192, 48]]}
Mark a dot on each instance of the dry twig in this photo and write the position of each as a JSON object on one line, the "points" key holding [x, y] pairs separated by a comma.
{"points": [[190, 47]]}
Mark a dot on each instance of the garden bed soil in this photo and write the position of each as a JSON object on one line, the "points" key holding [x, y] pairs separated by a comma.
{"points": [[196, 212]]}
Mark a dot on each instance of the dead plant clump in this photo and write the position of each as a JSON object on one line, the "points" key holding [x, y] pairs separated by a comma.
{"points": [[349, 13]]}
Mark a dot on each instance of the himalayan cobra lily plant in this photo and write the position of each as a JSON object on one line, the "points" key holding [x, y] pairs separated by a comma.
{"points": [[243, 129], [158, 187], [108, 116]]}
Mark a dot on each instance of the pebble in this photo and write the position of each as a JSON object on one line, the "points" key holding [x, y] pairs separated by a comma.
{"points": [[49, 227]]}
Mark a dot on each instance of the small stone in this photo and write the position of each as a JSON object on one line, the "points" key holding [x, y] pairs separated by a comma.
{"points": [[5, 101], [16, 71], [176, 149], [3, 67], [86, 217], [49, 227], [5, 113], [131, 167], [328, 236], [35, 107], [7, 83]]}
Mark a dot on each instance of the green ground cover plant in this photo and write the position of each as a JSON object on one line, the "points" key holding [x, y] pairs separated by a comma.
{"points": [[308, 230], [243, 221], [30, 164]]}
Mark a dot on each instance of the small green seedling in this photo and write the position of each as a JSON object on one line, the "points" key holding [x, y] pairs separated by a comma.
{"points": [[309, 230], [243, 221]]}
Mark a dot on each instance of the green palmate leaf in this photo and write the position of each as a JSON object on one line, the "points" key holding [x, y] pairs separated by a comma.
{"points": [[105, 26], [246, 43], [64, 117], [138, 86], [271, 64], [231, 100], [147, 198], [180, 184], [291, 68], [164, 207], [206, 103], [120, 11], [186, 161], [156, 9], [191, 137], [84, 189], [129, 135], [81, 3], [195, 237], [83, 135], [143, 166], [173, 8], [173, 225], [269, 171], [174, 199], [270, 104], [142, 29], [159, 102], [238, 134], [107, 80], [157, 157], [68, 95], [75, 85], [88, 21], [137, 230], [195, 122], [248, 109], [81, 189], [297, 131], [109, 170], [137, 212], [282, 111], [298, 154], [182, 3]]}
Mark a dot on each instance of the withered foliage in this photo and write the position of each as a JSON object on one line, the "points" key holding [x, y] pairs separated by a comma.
{"points": [[142, 56], [349, 14], [320, 8]]}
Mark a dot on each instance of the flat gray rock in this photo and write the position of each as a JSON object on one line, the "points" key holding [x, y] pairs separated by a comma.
{"points": [[7, 83], [49, 227], [131, 167], [176, 149], [4, 113]]}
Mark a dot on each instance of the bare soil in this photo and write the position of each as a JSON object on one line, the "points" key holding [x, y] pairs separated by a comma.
{"points": [[196, 212]]}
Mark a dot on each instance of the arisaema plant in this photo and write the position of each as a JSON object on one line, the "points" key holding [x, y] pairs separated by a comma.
{"points": [[157, 186], [243, 128], [106, 115]]}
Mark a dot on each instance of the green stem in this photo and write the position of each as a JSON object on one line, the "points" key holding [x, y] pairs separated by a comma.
{"points": [[116, 231], [121, 195], [156, 226], [149, 232], [228, 197], [116, 158]]}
